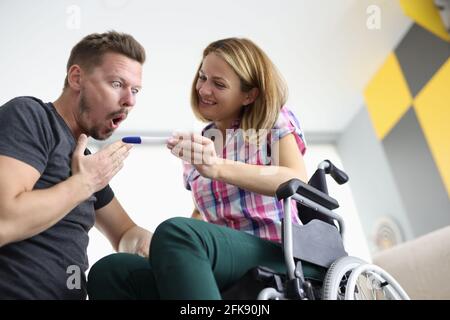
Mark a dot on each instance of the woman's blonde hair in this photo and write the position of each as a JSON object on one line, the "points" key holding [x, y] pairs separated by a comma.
{"points": [[255, 70]]}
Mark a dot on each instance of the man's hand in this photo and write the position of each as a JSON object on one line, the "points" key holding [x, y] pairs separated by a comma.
{"points": [[96, 170]]}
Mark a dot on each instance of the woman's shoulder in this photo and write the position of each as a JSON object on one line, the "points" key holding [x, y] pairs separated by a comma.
{"points": [[287, 123], [286, 117]]}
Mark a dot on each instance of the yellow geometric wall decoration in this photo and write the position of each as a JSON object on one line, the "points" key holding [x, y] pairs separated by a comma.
{"points": [[387, 96], [425, 13], [408, 101], [432, 106]]}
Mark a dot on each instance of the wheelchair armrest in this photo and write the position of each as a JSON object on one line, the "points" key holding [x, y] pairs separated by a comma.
{"points": [[293, 186]]}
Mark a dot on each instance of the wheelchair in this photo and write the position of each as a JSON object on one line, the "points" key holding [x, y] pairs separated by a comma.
{"points": [[318, 267]]}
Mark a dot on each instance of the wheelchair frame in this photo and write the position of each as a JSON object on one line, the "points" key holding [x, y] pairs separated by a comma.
{"points": [[343, 271]]}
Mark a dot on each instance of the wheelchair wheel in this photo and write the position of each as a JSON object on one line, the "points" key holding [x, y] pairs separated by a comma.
{"points": [[336, 278], [351, 278], [377, 284]]}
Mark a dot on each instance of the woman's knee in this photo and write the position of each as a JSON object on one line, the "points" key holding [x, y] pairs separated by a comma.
{"points": [[109, 267], [102, 273], [172, 229], [104, 266], [112, 276], [176, 232]]}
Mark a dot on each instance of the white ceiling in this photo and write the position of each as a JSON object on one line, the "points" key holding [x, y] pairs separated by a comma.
{"points": [[322, 47]]}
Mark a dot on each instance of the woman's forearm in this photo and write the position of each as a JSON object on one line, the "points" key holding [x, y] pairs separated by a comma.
{"points": [[256, 178]]}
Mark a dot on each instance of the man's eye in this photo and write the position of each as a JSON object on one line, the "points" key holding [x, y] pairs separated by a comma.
{"points": [[116, 84], [135, 91]]}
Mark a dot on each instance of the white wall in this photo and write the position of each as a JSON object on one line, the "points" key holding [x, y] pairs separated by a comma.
{"points": [[322, 47], [150, 189]]}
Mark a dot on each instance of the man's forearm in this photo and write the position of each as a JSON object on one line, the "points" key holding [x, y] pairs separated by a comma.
{"points": [[32, 212]]}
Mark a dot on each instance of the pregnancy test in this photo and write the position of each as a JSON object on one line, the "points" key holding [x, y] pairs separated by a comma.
{"points": [[146, 140]]}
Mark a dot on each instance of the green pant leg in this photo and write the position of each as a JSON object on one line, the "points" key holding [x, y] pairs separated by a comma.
{"points": [[192, 259], [121, 276]]}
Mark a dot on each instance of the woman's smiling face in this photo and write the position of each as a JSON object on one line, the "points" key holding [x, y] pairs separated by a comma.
{"points": [[220, 98]]}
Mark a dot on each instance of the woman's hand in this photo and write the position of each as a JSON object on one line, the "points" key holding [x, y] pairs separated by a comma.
{"points": [[198, 151]]}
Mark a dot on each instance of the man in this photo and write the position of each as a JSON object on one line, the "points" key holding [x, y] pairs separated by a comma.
{"points": [[52, 189]]}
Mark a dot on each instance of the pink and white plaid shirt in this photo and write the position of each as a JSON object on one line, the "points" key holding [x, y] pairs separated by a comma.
{"points": [[228, 205]]}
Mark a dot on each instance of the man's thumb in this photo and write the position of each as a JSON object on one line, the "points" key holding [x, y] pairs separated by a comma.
{"points": [[81, 145]]}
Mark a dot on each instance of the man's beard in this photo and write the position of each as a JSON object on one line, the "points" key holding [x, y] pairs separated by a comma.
{"points": [[94, 131]]}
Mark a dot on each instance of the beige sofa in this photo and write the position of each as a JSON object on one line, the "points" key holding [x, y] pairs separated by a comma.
{"points": [[421, 266]]}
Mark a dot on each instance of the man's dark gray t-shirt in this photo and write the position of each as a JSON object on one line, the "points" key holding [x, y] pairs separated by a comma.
{"points": [[46, 266]]}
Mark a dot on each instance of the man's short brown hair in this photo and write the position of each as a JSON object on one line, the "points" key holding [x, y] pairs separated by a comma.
{"points": [[89, 51]]}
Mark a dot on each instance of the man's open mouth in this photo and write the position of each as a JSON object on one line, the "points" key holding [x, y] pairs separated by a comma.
{"points": [[115, 122]]}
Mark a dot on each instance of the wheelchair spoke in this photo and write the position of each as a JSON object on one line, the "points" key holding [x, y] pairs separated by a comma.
{"points": [[368, 287]]}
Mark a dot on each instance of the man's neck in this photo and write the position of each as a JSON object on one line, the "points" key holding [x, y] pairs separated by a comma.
{"points": [[65, 106]]}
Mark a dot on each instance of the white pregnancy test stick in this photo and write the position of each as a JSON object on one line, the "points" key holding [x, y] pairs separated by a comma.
{"points": [[155, 141]]}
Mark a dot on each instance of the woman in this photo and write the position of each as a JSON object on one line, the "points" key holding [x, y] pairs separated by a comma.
{"points": [[251, 145]]}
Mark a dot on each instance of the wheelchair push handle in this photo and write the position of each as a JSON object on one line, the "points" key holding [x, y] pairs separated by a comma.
{"points": [[338, 175]]}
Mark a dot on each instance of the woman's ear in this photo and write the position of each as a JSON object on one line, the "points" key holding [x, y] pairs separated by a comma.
{"points": [[251, 96]]}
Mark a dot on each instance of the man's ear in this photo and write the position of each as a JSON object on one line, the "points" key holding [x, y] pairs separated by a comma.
{"points": [[251, 96], [74, 77]]}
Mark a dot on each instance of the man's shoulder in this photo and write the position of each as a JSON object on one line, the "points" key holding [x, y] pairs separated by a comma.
{"points": [[26, 102], [25, 107]]}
